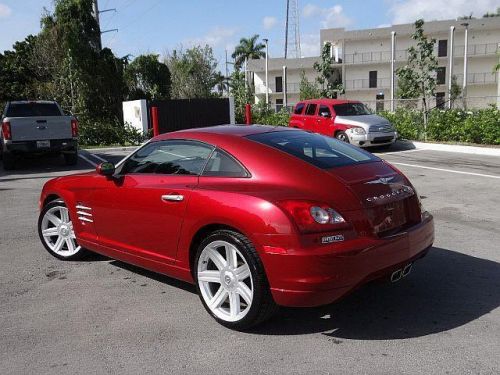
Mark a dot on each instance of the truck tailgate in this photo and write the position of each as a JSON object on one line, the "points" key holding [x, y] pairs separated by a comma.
{"points": [[40, 128]]}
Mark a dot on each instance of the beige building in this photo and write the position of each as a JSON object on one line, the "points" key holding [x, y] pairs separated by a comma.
{"points": [[364, 62]]}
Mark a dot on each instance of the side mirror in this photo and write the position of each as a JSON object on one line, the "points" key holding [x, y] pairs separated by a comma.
{"points": [[325, 114], [105, 169]]}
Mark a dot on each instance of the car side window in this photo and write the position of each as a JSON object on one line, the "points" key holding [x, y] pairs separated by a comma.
{"points": [[311, 109], [222, 164], [171, 157], [298, 108], [324, 111]]}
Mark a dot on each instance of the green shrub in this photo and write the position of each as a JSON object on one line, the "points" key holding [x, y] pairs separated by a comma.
{"points": [[105, 133], [266, 116], [480, 126]]}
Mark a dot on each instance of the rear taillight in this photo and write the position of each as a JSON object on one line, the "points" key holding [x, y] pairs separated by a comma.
{"points": [[7, 135], [74, 128], [312, 217]]}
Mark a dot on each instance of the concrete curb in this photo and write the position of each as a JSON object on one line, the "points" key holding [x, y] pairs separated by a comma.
{"points": [[474, 150]]}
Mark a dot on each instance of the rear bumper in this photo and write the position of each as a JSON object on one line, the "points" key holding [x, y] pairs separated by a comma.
{"points": [[320, 274], [372, 139], [30, 147]]}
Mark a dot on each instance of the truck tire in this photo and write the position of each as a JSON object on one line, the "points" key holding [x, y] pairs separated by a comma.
{"points": [[71, 159], [342, 136], [9, 161]]}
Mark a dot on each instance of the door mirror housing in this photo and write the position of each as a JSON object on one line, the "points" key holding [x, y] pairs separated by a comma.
{"points": [[105, 169]]}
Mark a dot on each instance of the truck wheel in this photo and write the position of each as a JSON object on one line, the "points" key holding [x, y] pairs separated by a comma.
{"points": [[71, 159], [9, 161], [342, 136]]}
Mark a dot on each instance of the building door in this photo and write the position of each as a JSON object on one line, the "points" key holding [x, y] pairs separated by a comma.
{"points": [[379, 102]]}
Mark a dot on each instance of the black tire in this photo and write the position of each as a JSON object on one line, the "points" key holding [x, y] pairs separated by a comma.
{"points": [[342, 136], [71, 159], [80, 254], [263, 305], [9, 161]]}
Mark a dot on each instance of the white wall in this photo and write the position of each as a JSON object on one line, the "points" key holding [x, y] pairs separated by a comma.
{"points": [[135, 113]]}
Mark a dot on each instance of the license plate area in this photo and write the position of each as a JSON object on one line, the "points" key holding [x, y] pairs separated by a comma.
{"points": [[390, 217], [42, 144]]}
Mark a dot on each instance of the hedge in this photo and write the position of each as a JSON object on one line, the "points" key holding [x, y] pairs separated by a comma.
{"points": [[104, 133]]}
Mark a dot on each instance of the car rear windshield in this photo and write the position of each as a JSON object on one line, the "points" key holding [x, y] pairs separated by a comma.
{"points": [[318, 150], [32, 110], [351, 109]]}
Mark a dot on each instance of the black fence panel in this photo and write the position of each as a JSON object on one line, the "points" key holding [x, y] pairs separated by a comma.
{"points": [[182, 114]]}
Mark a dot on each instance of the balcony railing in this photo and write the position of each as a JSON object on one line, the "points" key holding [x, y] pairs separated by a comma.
{"points": [[362, 84], [402, 55], [292, 88], [478, 78]]}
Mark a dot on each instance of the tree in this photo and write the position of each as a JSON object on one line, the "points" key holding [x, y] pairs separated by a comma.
{"points": [[248, 49], [492, 14], [147, 78], [241, 93], [418, 77], [329, 84], [455, 91], [193, 72], [221, 84], [308, 90]]}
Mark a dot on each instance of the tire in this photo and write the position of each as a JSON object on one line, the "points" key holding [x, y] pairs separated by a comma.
{"points": [[56, 232], [9, 161], [71, 159], [241, 295], [342, 136]]}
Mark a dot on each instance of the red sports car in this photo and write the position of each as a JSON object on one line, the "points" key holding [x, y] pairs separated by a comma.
{"points": [[254, 216]]}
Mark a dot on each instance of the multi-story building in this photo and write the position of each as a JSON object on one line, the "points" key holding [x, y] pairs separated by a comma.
{"points": [[363, 62]]}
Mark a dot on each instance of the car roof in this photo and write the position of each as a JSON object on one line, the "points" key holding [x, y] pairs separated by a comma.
{"points": [[328, 101], [229, 130], [32, 101]]}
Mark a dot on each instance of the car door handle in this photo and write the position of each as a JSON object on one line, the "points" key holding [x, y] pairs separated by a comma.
{"points": [[172, 198]]}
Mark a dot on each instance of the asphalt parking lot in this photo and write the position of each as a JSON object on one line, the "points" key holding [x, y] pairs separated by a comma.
{"points": [[103, 316]]}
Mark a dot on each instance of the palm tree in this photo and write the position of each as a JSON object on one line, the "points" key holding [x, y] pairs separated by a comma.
{"points": [[248, 49]]}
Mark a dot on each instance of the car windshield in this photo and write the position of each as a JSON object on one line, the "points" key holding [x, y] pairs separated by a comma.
{"points": [[318, 150], [32, 109], [351, 109]]}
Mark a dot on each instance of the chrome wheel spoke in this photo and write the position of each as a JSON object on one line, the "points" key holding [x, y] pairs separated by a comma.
{"points": [[244, 291], [64, 214], [234, 304], [57, 232], [231, 256], [209, 276], [58, 244], [218, 299], [70, 245], [242, 272], [50, 232], [216, 258], [53, 219]]}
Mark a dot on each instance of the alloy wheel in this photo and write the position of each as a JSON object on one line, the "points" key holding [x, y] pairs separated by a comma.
{"points": [[57, 232], [225, 281]]}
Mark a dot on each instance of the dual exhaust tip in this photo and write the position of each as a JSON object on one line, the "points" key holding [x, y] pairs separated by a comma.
{"points": [[400, 273]]}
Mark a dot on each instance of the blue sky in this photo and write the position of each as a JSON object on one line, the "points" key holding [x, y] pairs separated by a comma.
{"points": [[158, 26]]}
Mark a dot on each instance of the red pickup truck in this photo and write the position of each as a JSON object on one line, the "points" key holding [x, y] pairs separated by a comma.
{"points": [[347, 120]]}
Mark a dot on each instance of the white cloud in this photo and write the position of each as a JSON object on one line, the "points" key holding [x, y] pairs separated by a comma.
{"points": [[5, 11], [407, 11], [309, 45], [268, 22], [216, 37], [330, 17]]}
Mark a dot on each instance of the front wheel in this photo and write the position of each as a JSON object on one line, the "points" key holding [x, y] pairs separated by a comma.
{"points": [[231, 281], [342, 136], [55, 229]]}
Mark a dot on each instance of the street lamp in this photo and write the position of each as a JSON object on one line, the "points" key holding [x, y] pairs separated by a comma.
{"points": [[466, 46], [266, 41]]}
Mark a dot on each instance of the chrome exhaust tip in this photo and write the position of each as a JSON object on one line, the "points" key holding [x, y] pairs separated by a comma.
{"points": [[407, 270], [396, 275]]}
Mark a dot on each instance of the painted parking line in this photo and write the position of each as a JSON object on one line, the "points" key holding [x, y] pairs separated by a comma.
{"points": [[400, 152], [80, 155], [98, 157], [446, 170]]}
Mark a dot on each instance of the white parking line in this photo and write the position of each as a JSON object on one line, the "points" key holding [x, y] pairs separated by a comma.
{"points": [[446, 170], [87, 159], [98, 157], [401, 152]]}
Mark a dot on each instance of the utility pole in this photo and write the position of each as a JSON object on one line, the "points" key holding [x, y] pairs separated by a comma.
{"points": [[227, 73], [466, 47], [450, 67], [393, 57], [286, 27], [97, 12], [266, 41]]}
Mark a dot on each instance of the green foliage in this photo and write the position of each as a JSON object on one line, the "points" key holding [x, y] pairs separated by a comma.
{"points": [[456, 89], [329, 84], [93, 133], [480, 126], [308, 90], [264, 115], [193, 73], [492, 14], [147, 78], [248, 49], [241, 93]]}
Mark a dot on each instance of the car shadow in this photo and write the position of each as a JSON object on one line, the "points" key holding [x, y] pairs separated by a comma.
{"points": [[29, 165], [445, 290], [398, 146]]}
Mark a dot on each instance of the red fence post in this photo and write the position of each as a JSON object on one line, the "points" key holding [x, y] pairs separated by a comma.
{"points": [[154, 121], [248, 114]]}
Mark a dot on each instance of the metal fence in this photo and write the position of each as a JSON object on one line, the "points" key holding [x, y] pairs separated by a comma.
{"points": [[471, 102]]}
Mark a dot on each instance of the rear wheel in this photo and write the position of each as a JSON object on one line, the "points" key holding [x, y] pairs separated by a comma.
{"points": [[71, 159], [231, 281], [9, 161], [342, 136], [55, 229]]}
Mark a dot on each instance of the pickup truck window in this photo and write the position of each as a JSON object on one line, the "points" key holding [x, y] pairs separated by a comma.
{"points": [[32, 110]]}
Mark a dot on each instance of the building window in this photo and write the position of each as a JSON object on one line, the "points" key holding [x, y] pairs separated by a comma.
{"points": [[279, 104], [279, 84], [443, 48], [372, 79], [441, 75], [440, 100]]}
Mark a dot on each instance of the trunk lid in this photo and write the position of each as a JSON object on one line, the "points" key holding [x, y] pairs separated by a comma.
{"points": [[40, 128]]}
